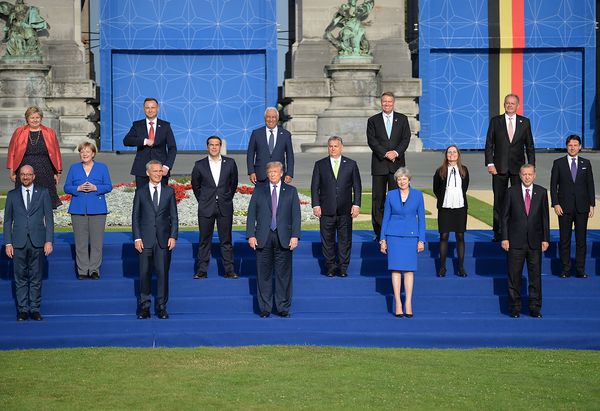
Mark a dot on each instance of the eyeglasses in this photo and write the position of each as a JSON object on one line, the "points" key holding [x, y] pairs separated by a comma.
{"points": [[26, 174]]}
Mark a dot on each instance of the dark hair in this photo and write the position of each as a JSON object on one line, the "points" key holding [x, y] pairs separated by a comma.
{"points": [[214, 137], [443, 169], [150, 99], [573, 137]]}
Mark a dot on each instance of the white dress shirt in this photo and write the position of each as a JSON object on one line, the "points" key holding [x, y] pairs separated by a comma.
{"points": [[24, 193], [268, 132], [159, 188], [215, 168]]}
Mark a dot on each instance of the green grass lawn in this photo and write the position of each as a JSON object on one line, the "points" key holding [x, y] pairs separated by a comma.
{"points": [[282, 377]]}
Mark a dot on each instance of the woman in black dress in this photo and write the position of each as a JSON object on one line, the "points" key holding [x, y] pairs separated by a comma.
{"points": [[450, 184], [36, 145]]}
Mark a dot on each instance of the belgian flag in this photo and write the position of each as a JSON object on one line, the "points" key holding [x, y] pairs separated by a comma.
{"points": [[506, 32]]}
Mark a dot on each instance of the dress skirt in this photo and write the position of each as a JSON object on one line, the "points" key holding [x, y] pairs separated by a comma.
{"points": [[402, 253], [452, 220]]}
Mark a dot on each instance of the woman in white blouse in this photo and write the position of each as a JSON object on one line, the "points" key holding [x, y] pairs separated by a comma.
{"points": [[450, 184]]}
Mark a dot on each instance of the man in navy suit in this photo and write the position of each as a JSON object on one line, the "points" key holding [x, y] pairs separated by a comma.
{"points": [[273, 230], [214, 181], [388, 136], [525, 235], [28, 234], [508, 140], [335, 191], [267, 144], [573, 198], [154, 140], [155, 226]]}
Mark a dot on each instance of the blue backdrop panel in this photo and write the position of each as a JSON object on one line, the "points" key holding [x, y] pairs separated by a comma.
{"points": [[212, 65], [559, 71], [201, 94]]}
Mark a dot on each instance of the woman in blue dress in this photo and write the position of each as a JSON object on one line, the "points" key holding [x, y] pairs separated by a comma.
{"points": [[403, 236]]}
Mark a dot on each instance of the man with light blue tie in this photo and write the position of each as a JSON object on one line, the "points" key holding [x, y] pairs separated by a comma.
{"points": [[267, 144], [388, 136]]}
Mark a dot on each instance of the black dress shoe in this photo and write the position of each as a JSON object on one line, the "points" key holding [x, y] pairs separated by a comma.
{"points": [[581, 275], [230, 275], [264, 314], [343, 274], [94, 275], [22, 316], [144, 314], [462, 272], [162, 314], [565, 274], [408, 315], [399, 315], [82, 277], [284, 314], [330, 274], [514, 314], [535, 314], [442, 272], [200, 275], [36, 316]]}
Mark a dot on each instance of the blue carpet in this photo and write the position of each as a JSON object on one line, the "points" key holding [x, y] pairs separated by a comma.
{"points": [[450, 312]]}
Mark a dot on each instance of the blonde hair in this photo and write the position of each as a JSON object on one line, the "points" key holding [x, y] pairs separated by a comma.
{"points": [[32, 110]]}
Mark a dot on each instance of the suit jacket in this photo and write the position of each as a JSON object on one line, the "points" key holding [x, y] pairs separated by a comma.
{"points": [[379, 142], [522, 229], [258, 154], [506, 156], [572, 196], [406, 220], [93, 202], [37, 222], [439, 187], [163, 150], [288, 214], [153, 225], [336, 196], [206, 191]]}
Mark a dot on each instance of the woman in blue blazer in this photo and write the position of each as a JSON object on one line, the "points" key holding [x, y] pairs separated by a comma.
{"points": [[88, 182], [403, 235]]}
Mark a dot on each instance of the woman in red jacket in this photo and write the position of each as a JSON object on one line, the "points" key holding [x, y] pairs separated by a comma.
{"points": [[36, 145]]}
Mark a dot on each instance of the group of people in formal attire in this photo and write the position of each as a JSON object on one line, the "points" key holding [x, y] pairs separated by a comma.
{"points": [[521, 212]]}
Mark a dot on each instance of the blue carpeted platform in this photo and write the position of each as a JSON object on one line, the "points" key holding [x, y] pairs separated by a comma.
{"points": [[450, 312]]}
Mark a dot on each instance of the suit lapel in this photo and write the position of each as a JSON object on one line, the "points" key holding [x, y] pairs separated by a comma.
{"points": [[222, 174], [163, 197], [205, 164]]}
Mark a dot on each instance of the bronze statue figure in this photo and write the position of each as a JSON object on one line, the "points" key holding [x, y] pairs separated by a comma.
{"points": [[351, 39]]}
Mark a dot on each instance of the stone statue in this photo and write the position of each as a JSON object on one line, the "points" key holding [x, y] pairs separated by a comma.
{"points": [[20, 32], [351, 39]]}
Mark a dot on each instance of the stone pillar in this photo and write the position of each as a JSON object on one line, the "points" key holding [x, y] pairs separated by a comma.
{"points": [[313, 87]]}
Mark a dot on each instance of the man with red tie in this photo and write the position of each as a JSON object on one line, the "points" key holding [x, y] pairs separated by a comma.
{"points": [[509, 139], [154, 140], [573, 198], [525, 235]]}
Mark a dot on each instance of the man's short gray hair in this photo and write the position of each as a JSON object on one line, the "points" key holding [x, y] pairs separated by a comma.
{"points": [[151, 163], [335, 138], [273, 109], [402, 172]]}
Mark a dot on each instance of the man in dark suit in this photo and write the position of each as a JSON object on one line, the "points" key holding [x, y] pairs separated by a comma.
{"points": [[273, 230], [28, 233], [388, 135], [573, 198], [154, 140], [525, 235], [336, 190], [509, 139], [214, 181], [155, 226], [267, 144]]}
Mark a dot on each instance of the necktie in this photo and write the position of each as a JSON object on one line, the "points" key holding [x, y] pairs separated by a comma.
{"points": [[573, 169], [336, 167], [511, 130], [388, 126], [452, 174], [155, 197], [274, 208], [527, 201], [28, 199], [151, 133], [271, 141]]}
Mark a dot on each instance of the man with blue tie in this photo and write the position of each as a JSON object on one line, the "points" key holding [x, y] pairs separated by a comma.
{"points": [[573, 198], [335, 192], [28, 234], [267, 144], [154, 140], [155, 225], [273, 231], [388, 136]]}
